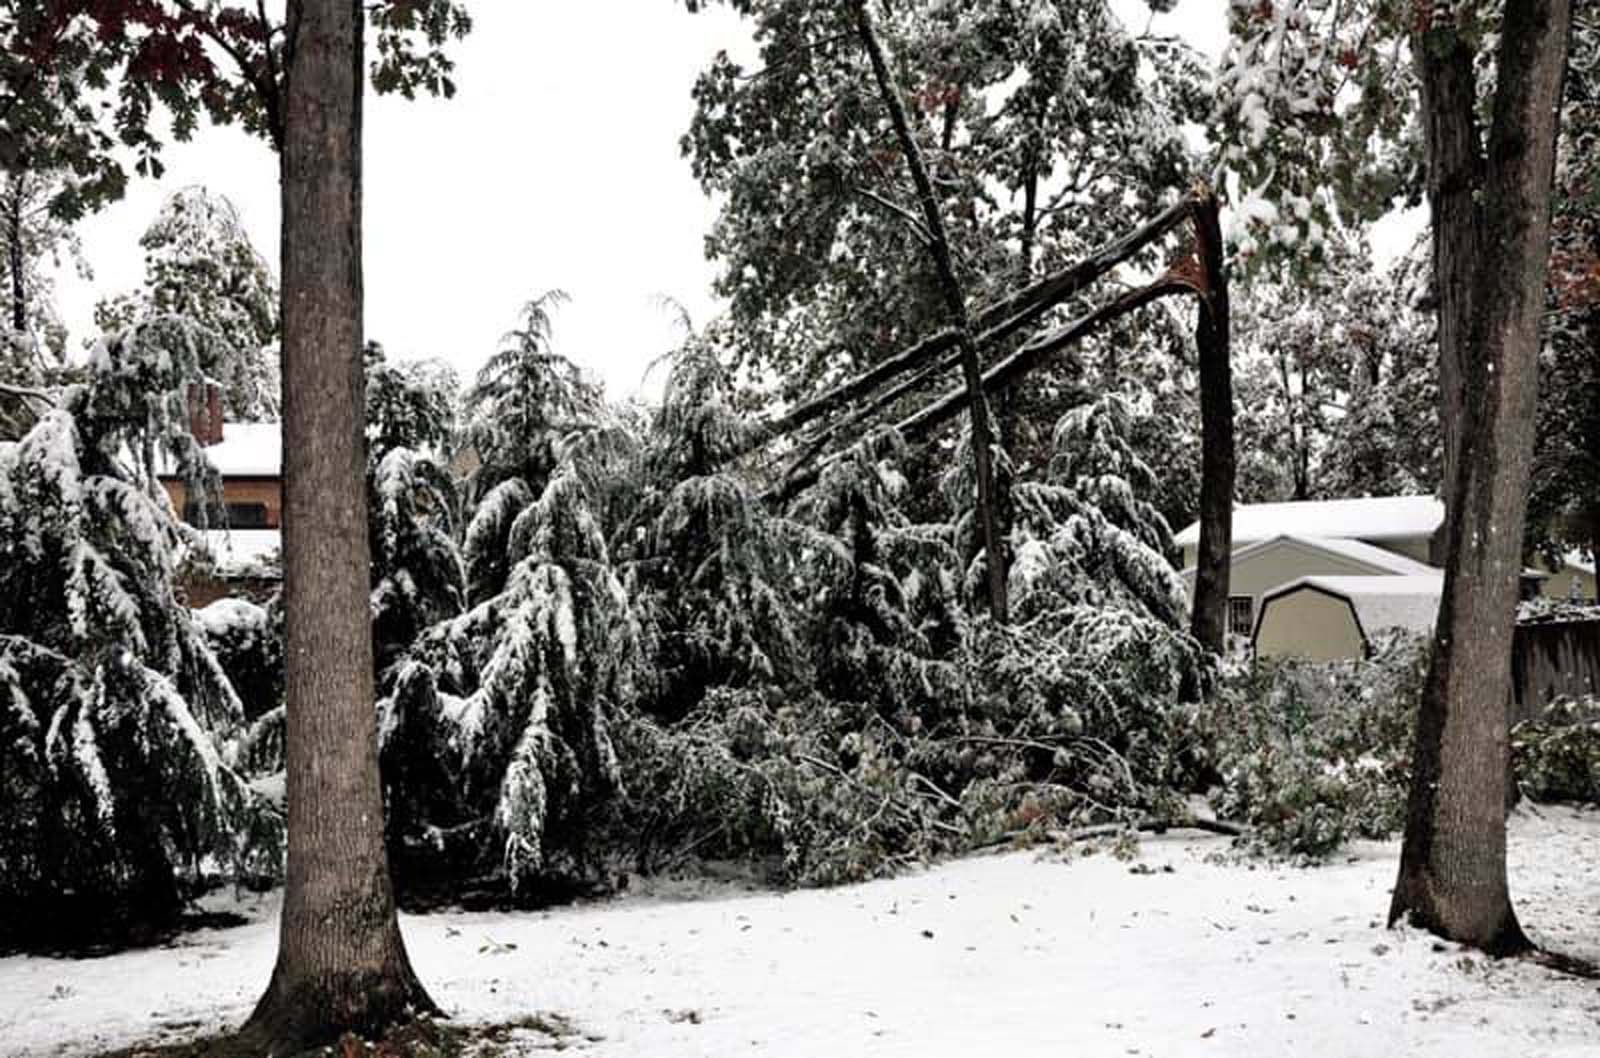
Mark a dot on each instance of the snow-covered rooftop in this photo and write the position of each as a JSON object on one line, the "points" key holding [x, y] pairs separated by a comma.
{"points": [[1368, 555], [1376, 518], [1576, 560], [243, 552], [1410, 602], [247, 450]]}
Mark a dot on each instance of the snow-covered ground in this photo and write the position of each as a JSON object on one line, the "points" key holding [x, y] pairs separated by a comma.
{"points": [[1020, 954]]}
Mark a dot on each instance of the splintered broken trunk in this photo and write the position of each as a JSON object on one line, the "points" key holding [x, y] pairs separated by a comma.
{"points": [[1201, 274], [1208, 619]]}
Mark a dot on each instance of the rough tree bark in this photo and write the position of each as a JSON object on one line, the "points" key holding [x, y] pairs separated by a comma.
{"points": [[1452, 877], [1455, 175], [955, 306], [342, 965], [1209, 616]]}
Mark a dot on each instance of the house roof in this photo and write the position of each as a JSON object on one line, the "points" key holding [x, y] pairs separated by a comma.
{"points": [[247, 450], [1410, 602], [1374, 518], [1376, 558], [1576, 560]]}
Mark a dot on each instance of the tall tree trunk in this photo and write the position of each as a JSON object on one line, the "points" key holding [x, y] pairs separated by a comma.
{"points": [[342, 965], [1208, 620], [1452, 876], [1455, 176], [955, 307], [14, 249]]}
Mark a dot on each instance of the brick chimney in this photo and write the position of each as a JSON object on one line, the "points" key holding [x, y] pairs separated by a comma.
{"points": [[205, 413]]}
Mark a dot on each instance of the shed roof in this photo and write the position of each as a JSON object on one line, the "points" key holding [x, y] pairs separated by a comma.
{"points": [[1410, 602], [1373, 518]]}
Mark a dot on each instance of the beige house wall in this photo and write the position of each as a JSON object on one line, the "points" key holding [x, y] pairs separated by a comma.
{"points": [[1310, 624], [1285, 561], [1414, 547], [1559, 585]]}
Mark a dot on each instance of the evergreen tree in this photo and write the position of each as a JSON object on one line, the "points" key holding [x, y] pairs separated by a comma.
{"points": [[496, 735], [527, 403], [1091, 537], [200, 264], [713, 573], [495, 726], [413, 499], [119, 730], [885, 608]]}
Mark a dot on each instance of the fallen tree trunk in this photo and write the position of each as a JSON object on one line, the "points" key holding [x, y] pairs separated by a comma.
{"points": [[1203, 275], [997, 322], [1007, 370], [1108, 830]]}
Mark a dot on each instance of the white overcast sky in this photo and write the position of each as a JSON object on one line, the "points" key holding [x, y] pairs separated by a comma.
{"points": [[556, 165]]}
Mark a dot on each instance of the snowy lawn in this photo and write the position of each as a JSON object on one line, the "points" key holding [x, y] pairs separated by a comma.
{"points": [[1019, 954]]}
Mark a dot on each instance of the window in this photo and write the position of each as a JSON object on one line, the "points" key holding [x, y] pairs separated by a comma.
{"points": [[1241, 615], [229, 515]]}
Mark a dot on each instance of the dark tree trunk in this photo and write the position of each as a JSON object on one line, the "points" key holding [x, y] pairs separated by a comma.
{"points": [[14, 249], [1452, 876], [955, 306], [1208, 621], [1455, 175], [341, 963]]}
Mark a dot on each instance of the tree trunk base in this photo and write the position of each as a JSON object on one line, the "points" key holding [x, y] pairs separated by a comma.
{"points": [[1416, 901], [300, 1015]]}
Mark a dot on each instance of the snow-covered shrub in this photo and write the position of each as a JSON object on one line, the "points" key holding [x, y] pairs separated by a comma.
{"points": [[1556, 757], [1085, 700], [247, 640], [818, 792], [1313, 754], [118, 725], [1048, 728]]}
